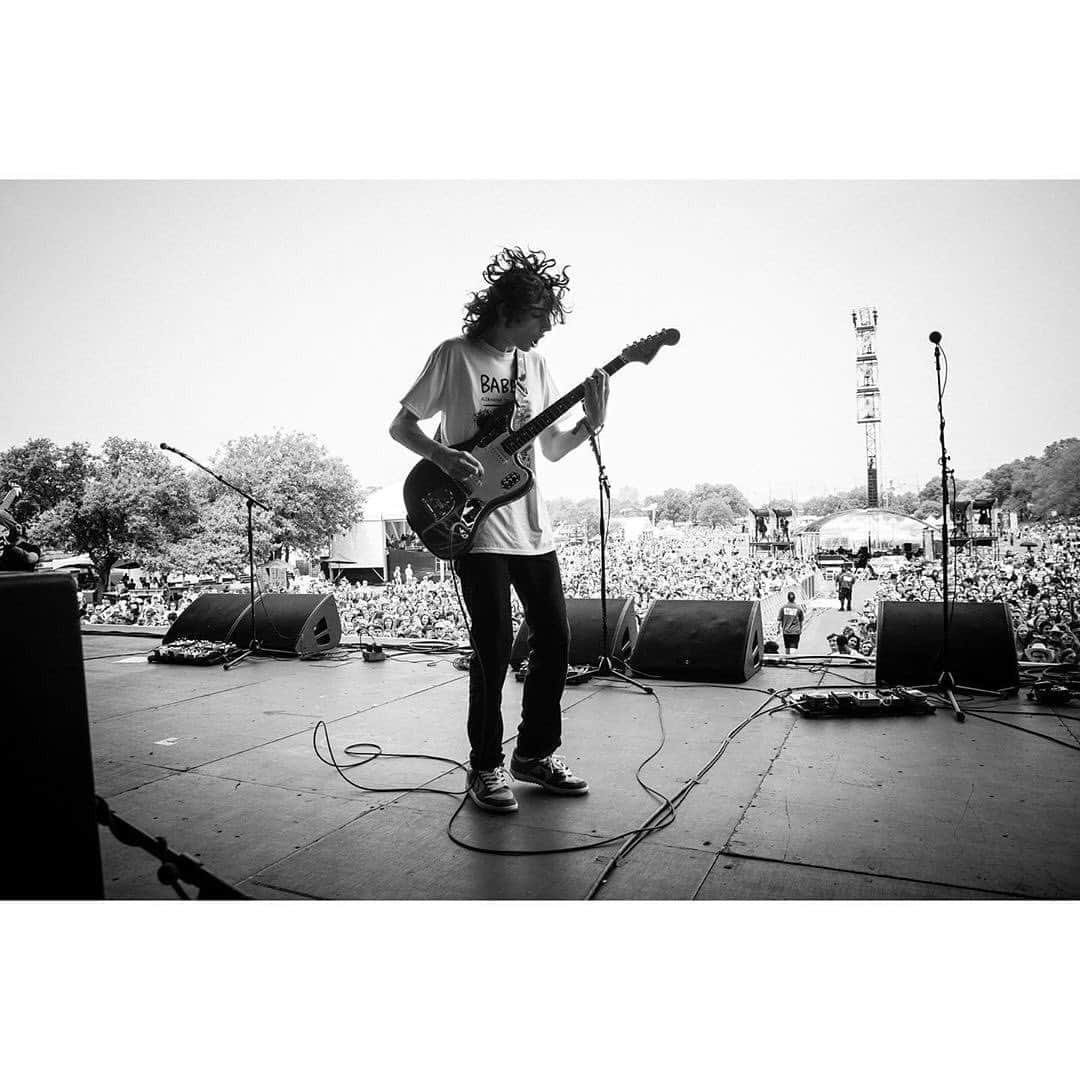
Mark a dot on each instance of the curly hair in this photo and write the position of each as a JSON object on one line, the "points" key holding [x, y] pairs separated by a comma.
{"points": [[518, 282]]}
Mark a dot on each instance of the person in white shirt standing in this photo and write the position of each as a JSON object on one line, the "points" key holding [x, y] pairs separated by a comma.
{"points": [[493, 366]]}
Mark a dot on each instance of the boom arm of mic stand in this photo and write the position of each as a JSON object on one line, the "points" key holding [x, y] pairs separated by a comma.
{"points": [[221, 479]]}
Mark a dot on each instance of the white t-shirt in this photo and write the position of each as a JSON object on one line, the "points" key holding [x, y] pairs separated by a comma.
{"points": [[467, 381]]}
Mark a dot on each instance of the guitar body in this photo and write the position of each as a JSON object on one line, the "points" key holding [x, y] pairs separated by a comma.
{"points": [[446, 513]]}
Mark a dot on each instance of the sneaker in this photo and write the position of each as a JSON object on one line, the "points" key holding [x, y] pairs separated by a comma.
{"points": [[490, 790], [551, 773]]}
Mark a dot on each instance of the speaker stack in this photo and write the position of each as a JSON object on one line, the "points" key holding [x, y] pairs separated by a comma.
{"points": [[586, 643], [706, 640], [982, 647], [286, 624], [51, 849]]}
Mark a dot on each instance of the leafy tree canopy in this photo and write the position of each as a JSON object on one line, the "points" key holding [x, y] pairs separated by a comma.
{"points": [[47, 473], [133, 503], [314, 495]]}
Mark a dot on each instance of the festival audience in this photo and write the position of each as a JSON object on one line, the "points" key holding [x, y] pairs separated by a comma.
{"points": [[1040, 581], [700, 564]]}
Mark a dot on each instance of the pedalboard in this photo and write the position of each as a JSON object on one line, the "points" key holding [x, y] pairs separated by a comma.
{"points": [[195, 651], [898, 701]]}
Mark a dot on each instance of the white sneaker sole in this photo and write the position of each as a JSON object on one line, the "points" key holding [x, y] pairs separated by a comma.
{"points": [[525, 779]]}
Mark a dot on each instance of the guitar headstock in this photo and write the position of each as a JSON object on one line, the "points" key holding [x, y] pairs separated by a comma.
{"points": [[644, 349]]}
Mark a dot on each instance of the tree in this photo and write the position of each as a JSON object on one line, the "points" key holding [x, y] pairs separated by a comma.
{"points": [[711, 494], [929, 498], [133, 505], [208, 550], [1058, 484], [561, 509], [674, 504], [835, 502], [905, 502], [714, 510], [576, 514], [47, 473], [315, 495], [979, 488], [740, 505]]}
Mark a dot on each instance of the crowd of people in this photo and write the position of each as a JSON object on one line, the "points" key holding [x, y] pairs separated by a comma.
{"points": [[859, 635], [1040, 581], [698, 564], [149, 609]]}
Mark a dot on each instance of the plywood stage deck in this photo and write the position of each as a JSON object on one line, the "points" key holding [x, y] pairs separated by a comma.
{"points": [[221, 764]]}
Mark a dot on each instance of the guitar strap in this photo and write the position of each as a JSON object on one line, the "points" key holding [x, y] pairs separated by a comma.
{"points": [[533, 511], [516, 387]]}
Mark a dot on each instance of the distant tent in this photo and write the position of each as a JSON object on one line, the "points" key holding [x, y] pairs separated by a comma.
{"points": [[388, 506], [877, 530]]}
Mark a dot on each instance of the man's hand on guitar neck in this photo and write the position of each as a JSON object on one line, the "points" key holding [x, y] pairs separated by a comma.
{"points": [[597, 389]]}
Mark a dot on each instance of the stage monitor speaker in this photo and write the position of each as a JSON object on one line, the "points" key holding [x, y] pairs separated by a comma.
{"points": [[707, 640], [585, 636], [296, 624], [982, 648], [210, 617], [51, 849], [291, 624]]}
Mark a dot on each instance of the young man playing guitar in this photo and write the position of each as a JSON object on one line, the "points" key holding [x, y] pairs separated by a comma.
{"points": [[494, 366]]}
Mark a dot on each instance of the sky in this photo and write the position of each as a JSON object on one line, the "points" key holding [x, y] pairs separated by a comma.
{"points": [[194, 312]]}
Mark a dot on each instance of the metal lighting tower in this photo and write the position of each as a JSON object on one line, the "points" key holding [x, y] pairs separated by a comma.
{"points": [[868, 395]]}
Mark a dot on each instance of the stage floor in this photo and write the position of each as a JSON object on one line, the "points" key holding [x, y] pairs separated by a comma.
{"points": [[221, 764]]}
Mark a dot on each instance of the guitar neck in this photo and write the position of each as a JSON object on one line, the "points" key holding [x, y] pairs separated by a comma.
{"points": [[9, 498], [525, 434]]}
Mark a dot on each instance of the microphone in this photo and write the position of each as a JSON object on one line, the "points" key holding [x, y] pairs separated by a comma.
{"points": [[935, 337]]}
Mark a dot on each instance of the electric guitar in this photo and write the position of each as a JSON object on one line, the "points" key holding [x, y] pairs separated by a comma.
{"points": [[445, 513]]}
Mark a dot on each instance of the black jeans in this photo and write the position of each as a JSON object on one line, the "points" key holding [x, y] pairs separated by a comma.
{"points": [[845, 594], [485, 587]]}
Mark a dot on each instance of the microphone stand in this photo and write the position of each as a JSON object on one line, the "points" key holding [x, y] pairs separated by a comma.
{"points": [[946, 683], [605, 662], [253, 642]]}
